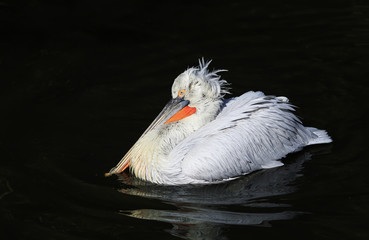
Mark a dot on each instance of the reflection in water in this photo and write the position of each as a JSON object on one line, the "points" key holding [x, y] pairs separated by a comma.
{"points": [[205, 223], [204, 210]]}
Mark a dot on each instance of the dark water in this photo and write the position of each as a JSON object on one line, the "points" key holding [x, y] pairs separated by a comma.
{"points": [[81, 81]]}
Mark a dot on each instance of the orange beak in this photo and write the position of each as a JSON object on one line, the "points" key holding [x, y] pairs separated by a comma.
{"points": [[183, 113]]}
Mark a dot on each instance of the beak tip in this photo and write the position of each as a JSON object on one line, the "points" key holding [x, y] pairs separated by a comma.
{"points": [[111, 172]]}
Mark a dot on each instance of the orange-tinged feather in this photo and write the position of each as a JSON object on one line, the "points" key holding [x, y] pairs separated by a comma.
{"points": [[125, 166]]}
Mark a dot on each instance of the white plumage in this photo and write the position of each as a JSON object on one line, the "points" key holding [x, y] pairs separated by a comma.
{"points": [[201, 138]]}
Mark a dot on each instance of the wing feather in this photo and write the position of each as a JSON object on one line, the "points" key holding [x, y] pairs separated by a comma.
{"points": [[251, 132]]}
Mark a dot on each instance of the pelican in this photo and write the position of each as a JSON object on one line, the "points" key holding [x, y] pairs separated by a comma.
{"points": [[200, 137]]}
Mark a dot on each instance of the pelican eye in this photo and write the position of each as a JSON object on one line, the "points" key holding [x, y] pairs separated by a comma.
{"points": [[181, 93]]}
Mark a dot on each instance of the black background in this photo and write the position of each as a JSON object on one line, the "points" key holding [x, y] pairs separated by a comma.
{"points": [[81, 80]]}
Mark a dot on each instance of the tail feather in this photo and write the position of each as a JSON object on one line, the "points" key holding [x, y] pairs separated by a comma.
{"points": [[319, 136]]}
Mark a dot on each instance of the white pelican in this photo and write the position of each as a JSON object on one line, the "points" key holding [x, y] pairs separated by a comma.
{"points": [[201, 138]]}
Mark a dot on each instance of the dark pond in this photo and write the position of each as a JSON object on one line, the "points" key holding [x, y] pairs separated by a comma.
{"points": [[81, 80]]}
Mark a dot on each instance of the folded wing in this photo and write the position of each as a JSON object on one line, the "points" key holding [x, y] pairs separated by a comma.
{"points": [[251, 132]]}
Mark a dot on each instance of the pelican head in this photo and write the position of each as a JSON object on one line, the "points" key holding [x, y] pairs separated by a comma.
{"points": [[197, 95], [198, 85]]}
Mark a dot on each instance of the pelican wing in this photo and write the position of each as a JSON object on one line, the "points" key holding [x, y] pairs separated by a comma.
{"points": [[251, 132]]}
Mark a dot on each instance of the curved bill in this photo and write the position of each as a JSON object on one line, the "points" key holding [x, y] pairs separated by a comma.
{"points": [[175, 110]]}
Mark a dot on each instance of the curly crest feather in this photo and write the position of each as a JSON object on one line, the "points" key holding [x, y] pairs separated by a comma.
{"points": [[217, 86]]}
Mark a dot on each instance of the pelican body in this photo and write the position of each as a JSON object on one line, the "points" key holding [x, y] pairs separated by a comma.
{"points": [[199, 137]]}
